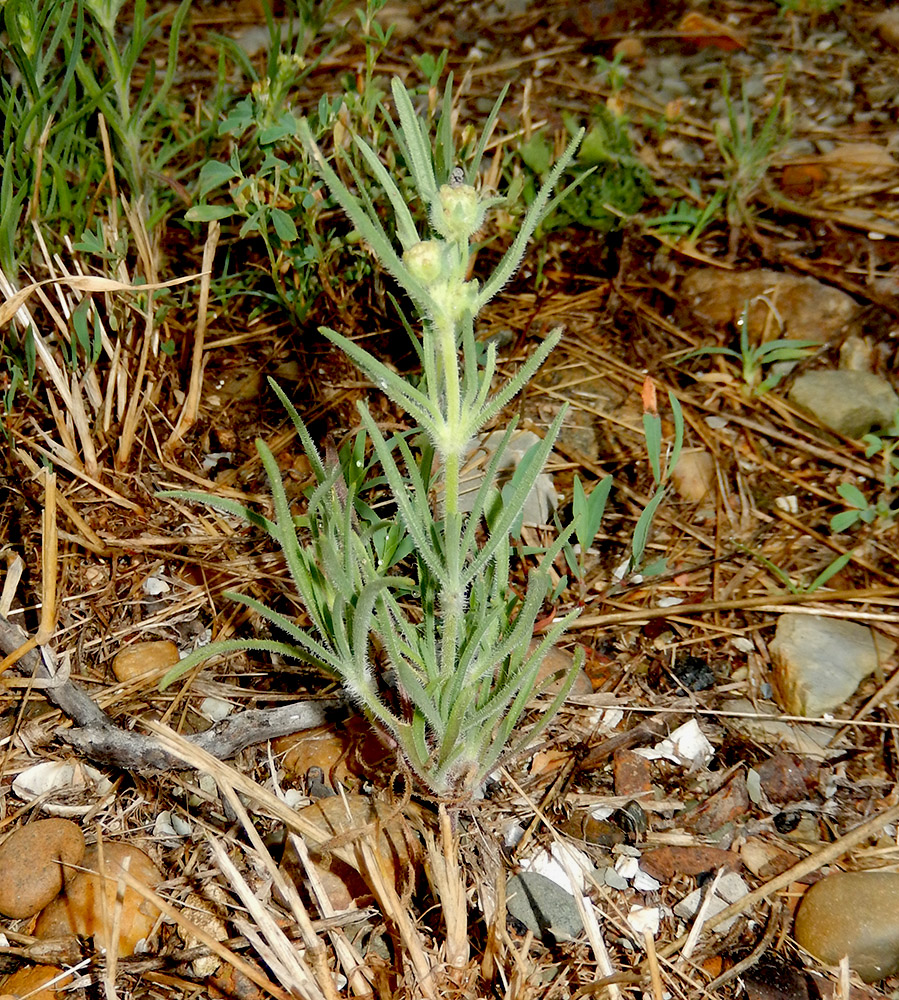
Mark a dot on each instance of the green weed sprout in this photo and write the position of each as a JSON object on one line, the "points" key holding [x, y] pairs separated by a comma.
{"points": [[747, 152], [859, 507], [753, 357], [661, 465], [446, 623]]}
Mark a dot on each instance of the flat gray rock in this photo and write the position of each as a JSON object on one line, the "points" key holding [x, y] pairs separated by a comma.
{"points": [[819, 662], [851, 403], [546, 909]]}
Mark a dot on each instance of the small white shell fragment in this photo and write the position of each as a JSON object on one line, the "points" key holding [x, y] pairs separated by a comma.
{"points": [[555, 863], [60, 776], [294, 799], [788, 504], [644, 882], [154, 585], [514, 833], [628, 867], [212, 459], [687, 745], [644, 920], [169, 824]]}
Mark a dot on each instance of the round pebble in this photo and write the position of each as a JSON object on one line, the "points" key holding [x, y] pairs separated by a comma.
{"points": [[156, 655], [854, 914], [694, 475], [31, 981], [79, 909], [33, 862]]}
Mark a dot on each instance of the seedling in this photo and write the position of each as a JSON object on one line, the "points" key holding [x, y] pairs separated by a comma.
{"points": [[661, 465], [614, 183], [860, 508], [747, 152], [754, 357]]}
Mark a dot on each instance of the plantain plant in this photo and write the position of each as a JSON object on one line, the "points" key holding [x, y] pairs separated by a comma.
{"points": [[426, 591]]}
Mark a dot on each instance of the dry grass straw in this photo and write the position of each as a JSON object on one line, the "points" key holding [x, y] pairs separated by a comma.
{"points": [[49, 571], [192, 401], [363, 854], [188, 927]]}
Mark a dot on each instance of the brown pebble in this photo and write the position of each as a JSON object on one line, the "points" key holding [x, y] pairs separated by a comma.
{"points": [[337, 816], [31, 981], [786, 778], [79, 909], [561, 661], [629, 48], [632, 773], [694, 475], [664, 863], [887, 25], [347, 755], [854, 914], [34, 861], [152, 657], [727, 804]]}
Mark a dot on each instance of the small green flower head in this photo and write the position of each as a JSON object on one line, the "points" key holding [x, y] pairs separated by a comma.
{"points": [[457, 212], [426, 260], [453, 299]]}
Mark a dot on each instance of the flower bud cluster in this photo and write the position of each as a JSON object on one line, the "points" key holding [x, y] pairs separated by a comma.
{"points": [[457, 213]]}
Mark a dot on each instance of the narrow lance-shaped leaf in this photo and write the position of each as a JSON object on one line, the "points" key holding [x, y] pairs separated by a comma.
{"points": [[502, 397], [225, 505], [370, 228], [406, 231], [226, 646], [398, 389], [485, 136], [420, 165], [641, 528], [410, 516], [522, 483], [512, 258]]}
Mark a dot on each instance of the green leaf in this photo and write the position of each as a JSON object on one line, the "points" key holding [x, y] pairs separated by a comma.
{"points": [[829, 571], [589, 511], [652, 429], [853, 495], [677, 415], [642, 528], [845, 519], [213, 174], [535, 215], [536, 154], [207, 213], [284, 225]]}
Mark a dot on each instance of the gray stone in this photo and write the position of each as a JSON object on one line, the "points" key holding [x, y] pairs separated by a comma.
{"points": [[729, 889], [849, 402], [854, 914], [819, 662], [546, 909]]}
